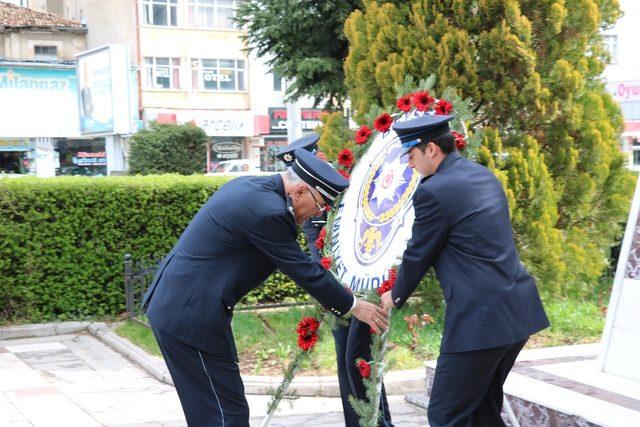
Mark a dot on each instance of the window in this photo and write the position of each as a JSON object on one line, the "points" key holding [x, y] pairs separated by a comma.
{"points": [[160, 12], [212, 13], [45, 52], [611, 45], [218, 74], [277, 82], [630, 110], [162, 73], [636, 157]]}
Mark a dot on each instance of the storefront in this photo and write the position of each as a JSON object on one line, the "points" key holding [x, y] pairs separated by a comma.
{"points": [[38, 104], [85, 157], [16, 156], [627, 94], [276, 138], [231, 143]]}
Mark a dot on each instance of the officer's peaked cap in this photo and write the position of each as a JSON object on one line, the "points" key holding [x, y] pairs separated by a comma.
{"points": [[319, 175]]}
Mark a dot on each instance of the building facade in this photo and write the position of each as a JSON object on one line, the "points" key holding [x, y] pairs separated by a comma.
{"points": [[38, 89], [191, 67], [623, 76]]}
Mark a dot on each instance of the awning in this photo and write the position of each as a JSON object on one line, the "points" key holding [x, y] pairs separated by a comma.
{"points": [[632, 128], [16, 145]]}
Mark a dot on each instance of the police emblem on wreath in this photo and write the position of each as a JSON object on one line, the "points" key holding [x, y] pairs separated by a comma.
{"points": [[373, 222], [384, 199]]}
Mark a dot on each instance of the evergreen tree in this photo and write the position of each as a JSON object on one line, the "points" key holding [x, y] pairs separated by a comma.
{"points": [[168, 148], [532, 69], [304, 42], [335, 134]]}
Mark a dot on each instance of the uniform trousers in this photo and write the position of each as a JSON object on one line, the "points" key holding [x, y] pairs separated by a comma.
{"points": [[353, 342], [467, 387], [210, 388]]}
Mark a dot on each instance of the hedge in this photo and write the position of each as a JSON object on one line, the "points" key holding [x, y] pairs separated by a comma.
{"points": [[64, 240]]}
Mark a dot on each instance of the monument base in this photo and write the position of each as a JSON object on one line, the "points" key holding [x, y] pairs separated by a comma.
{"points": [[562, 386]]}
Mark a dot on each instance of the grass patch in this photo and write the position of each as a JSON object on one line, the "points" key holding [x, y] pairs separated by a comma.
{"points": [[140, 335], [267, 340]]}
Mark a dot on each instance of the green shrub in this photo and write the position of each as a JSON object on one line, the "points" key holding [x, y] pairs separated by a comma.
{"points": [[64, 240], [168, 148]]}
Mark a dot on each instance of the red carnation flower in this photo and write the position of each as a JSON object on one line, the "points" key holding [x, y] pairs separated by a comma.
{"points": [[345, 158], [307, 326], [344, 173], [388, 284], [362, 134], [443, 107], [404, 103], [460, 141], [364, 367], [383, 122], [320, 239], [326, 262], [306, 342], [422, 100], [323, 233]]}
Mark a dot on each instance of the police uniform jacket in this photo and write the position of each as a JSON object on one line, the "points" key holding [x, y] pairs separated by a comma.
{"points": [[311, 229], [462, 228], [238, 238]]}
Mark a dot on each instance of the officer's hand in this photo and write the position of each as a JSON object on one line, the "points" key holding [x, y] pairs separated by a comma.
{"points": [[372, 314], [387, 301]]}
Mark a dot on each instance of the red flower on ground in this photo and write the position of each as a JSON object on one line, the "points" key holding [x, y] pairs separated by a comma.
{"points": [[422, 100], [364, 367], [344, 173], [443, 107], [326, 262], [346, 158], [320, 239], [404, 103], [362, 134], [307, 326], [306, 342], [460, 141], [383, 122]]}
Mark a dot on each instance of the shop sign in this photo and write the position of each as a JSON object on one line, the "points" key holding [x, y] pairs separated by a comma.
{"points": [[227, 150], [84, 158], [309, 119], [625, 91], [38, 102], [212, 76], [16, 145], [220, 123], [277, 120]]}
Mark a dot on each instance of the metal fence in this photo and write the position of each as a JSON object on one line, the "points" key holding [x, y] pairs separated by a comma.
{"points": [[138, 274]]}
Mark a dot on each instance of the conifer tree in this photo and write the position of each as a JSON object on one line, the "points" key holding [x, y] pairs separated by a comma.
{"points": [[532, 69]]}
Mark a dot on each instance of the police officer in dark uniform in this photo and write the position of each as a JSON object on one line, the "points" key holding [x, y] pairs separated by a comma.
{"points": [[239, 237], [462, 229], [352, 341], [313, 225]]}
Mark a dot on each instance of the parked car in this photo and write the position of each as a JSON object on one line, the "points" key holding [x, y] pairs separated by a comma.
{"points": [[233, 167]]}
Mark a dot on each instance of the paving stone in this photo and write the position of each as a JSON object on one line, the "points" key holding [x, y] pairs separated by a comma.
{"points": [[76, 380]]}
